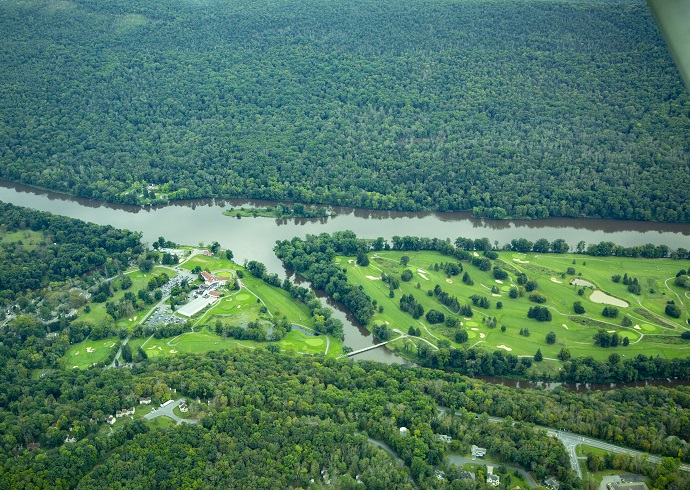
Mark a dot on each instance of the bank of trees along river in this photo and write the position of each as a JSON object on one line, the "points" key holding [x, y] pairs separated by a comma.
{"points": [[519, 109]]}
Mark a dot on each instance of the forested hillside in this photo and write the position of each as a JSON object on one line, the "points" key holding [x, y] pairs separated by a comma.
{"points": [[510, 108]]}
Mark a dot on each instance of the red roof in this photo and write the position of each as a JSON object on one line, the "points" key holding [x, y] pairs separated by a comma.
{"points": [[215, 293]]}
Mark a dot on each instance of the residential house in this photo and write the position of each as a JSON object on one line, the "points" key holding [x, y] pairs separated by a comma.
{"points": [[444, 438], [110, 419], [478, 452], [34, 446], [145, 400], [183, 407], [466, 475], [404, 431], [70, 439], [552, 483], [493, 480]]}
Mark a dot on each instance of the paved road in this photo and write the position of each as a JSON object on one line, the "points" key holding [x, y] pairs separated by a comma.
{"points": [[167, 411], [570, 441]]}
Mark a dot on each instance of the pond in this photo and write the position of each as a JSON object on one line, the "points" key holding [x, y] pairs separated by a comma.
{"points": [[583, 283]]}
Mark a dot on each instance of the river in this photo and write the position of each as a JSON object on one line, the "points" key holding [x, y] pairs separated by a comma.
{"points": [[202, 221]]}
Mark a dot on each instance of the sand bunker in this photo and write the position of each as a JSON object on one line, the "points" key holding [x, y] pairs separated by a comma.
{"points": [[351, 261], [160, 348], [151, 347], [76, 353], [611, 331], [89, 350], [521, 261], [373, 278], [423, 276], [553, 279], [173, 351], [239, 306], [75, 367], [467, 319], [603, 298], [494, 294], [475, 329], [504, 347], [565, 326], [637, 327], [422, 271], [449, 281], [481, 335], [498, 281], [475, 254]]}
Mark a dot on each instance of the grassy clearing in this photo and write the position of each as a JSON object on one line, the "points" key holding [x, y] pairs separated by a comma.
{"points": [[279, 302], [205, 341], [547, 270], [213, 264], [29, 239], [89, 352], [98, 314]]}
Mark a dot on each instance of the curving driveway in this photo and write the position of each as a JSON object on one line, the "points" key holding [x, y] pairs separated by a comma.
{"points": [[167, 411]]}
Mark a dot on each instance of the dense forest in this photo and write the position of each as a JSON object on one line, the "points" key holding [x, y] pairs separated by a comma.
{"points": [[523, 109], [65, 248], [286, 420]]}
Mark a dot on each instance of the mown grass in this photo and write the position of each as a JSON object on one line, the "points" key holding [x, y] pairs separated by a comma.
{"points": [[560, 295], [77, 355], [205, 341], [140, 280]]}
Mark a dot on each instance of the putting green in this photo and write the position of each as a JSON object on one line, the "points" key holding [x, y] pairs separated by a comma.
{"points": [[646, 327], [472, 335], [471, 324], [314, 342], [505, 288], [242, 296]]}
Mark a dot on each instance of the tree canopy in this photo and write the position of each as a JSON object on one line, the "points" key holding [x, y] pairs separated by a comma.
{"points": [[510, 109]]}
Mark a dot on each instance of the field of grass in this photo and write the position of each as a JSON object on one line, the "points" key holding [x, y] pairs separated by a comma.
{"points": [[235, 308], [30, 239], [547, 270], [279, 302], [140, 280], [584, 450], [213, 264], [205, 341], [83, 354]]}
